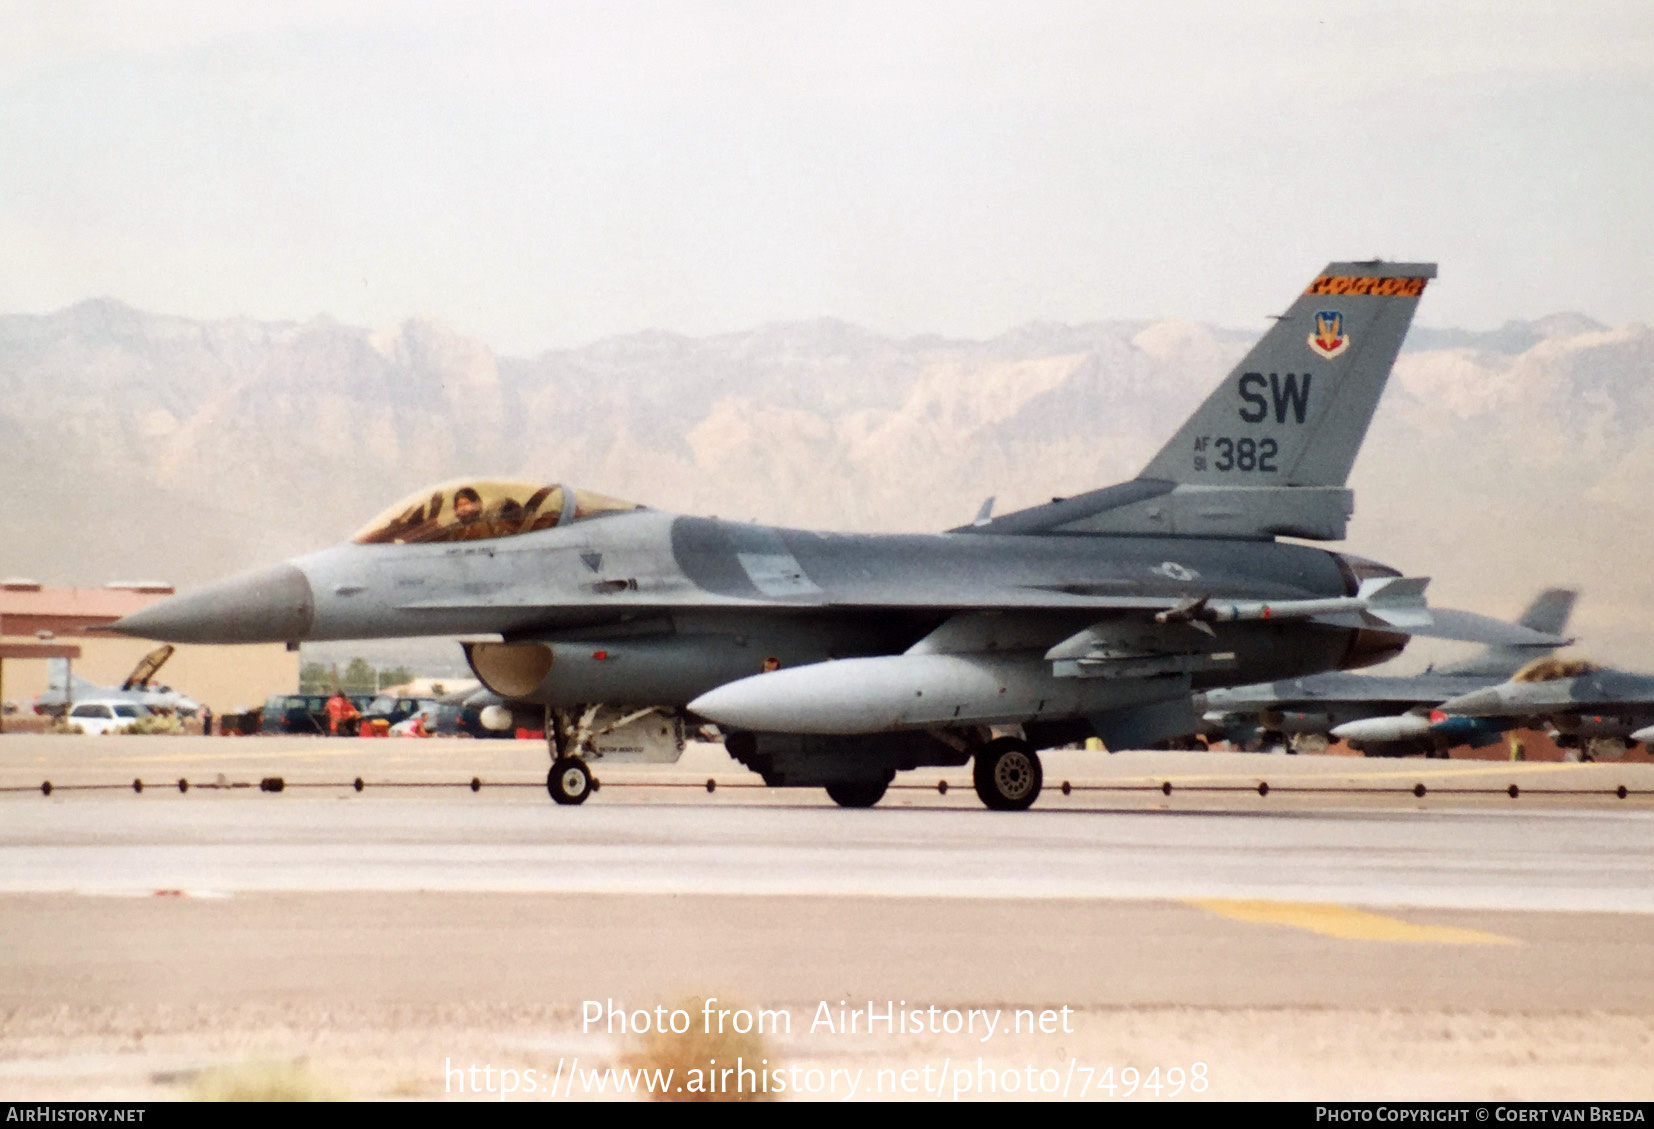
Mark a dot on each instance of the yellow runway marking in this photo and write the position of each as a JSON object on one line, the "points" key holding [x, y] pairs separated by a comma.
{"points": [[1345, 922]]}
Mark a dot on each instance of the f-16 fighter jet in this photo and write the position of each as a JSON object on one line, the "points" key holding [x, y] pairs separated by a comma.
{"points": [[1381, 715], [836, 660], [1595, 713], [67, 688]]}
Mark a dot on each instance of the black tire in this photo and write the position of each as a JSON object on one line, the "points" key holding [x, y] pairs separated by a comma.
{"points": [[1007, 775], [569, 780], [857, 793]]}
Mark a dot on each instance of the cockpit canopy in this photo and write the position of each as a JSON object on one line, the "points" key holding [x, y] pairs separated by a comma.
{"points": [[1554, 670], [476, 509]]}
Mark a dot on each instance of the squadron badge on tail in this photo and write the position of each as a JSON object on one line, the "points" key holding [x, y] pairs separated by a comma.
{"points": [[1329, 338]]}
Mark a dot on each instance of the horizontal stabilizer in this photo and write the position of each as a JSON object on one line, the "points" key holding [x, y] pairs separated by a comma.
{"points": [[1390, 603], [1459, 626], [1548, 615]]}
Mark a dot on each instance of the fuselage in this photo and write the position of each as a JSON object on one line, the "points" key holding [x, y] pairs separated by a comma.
{"points": [[651, 607]]}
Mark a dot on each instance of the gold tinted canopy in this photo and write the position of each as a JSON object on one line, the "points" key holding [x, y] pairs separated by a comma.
{"points": [[1553, 670], [473, 509]]}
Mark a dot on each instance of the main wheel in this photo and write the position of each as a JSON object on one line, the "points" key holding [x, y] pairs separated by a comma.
{"points": [[857, 793], [1007, 775], [569, 781]]}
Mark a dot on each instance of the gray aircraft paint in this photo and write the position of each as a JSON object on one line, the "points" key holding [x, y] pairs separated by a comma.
{"points": [[1304, 407], [1319, 703], [1604, 704], [641, 604], [1601, 691], [1548, 613], [1270, 450]]}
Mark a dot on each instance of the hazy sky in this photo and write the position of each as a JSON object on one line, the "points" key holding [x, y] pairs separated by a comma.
{"points": [[545, 174]]}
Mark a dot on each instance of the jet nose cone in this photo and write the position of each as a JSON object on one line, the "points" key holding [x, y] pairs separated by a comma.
{"points": [[1477, 703], [272, 605]]}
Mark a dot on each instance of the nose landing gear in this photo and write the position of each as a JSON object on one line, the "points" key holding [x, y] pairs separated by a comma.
{"points": [[570, 781]]}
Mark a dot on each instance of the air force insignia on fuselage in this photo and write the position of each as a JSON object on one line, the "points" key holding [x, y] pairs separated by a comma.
{"points": [[1329, 338]]}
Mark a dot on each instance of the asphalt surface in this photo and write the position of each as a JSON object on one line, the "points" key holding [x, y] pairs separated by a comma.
{"points": [[383, 948], [1134, 826], [1515, 858], [206, 914]]}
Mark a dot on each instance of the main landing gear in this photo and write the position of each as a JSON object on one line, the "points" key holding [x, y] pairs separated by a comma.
{"points": [[857, 793], [1007, 774]]}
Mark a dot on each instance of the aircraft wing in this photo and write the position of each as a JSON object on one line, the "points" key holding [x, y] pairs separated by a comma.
{"points": [[1437, 623], [1403, 691]]}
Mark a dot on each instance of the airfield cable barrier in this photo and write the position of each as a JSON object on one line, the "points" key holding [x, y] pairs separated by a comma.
{"points": [[710, 785]]}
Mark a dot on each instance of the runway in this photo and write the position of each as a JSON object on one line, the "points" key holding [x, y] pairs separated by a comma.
{"points": [[1290, 940], [1545, 859], [1134, 826]]}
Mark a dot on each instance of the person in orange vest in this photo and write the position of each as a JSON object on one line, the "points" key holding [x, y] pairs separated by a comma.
{"points": [[339, 710]]}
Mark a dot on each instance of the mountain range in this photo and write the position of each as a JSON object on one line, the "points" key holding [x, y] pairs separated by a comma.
{"points": [[139, 445]]}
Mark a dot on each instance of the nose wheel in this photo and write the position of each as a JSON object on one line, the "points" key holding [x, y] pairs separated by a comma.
{"points": [[1008, 775], [570, 781]]}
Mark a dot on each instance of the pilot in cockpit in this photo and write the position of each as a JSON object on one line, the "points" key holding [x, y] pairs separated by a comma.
{"points": [[484, 509], [467, 505]]}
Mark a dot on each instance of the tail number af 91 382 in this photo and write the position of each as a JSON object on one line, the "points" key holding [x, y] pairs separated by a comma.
{"points": [[1225, 453]]}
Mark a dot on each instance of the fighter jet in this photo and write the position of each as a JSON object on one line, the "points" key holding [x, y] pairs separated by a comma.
{"points": [[836, 660], [65, 688], [1379, 715], [1595, 713]]}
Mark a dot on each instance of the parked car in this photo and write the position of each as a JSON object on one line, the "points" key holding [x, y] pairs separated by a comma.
{"points": [[305, 713], [394, 711], [431, 717], [105, 717]]}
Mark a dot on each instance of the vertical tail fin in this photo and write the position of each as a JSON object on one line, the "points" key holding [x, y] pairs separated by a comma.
{"points": [[1550, 610], [1268, 453], [1295, 410]]}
